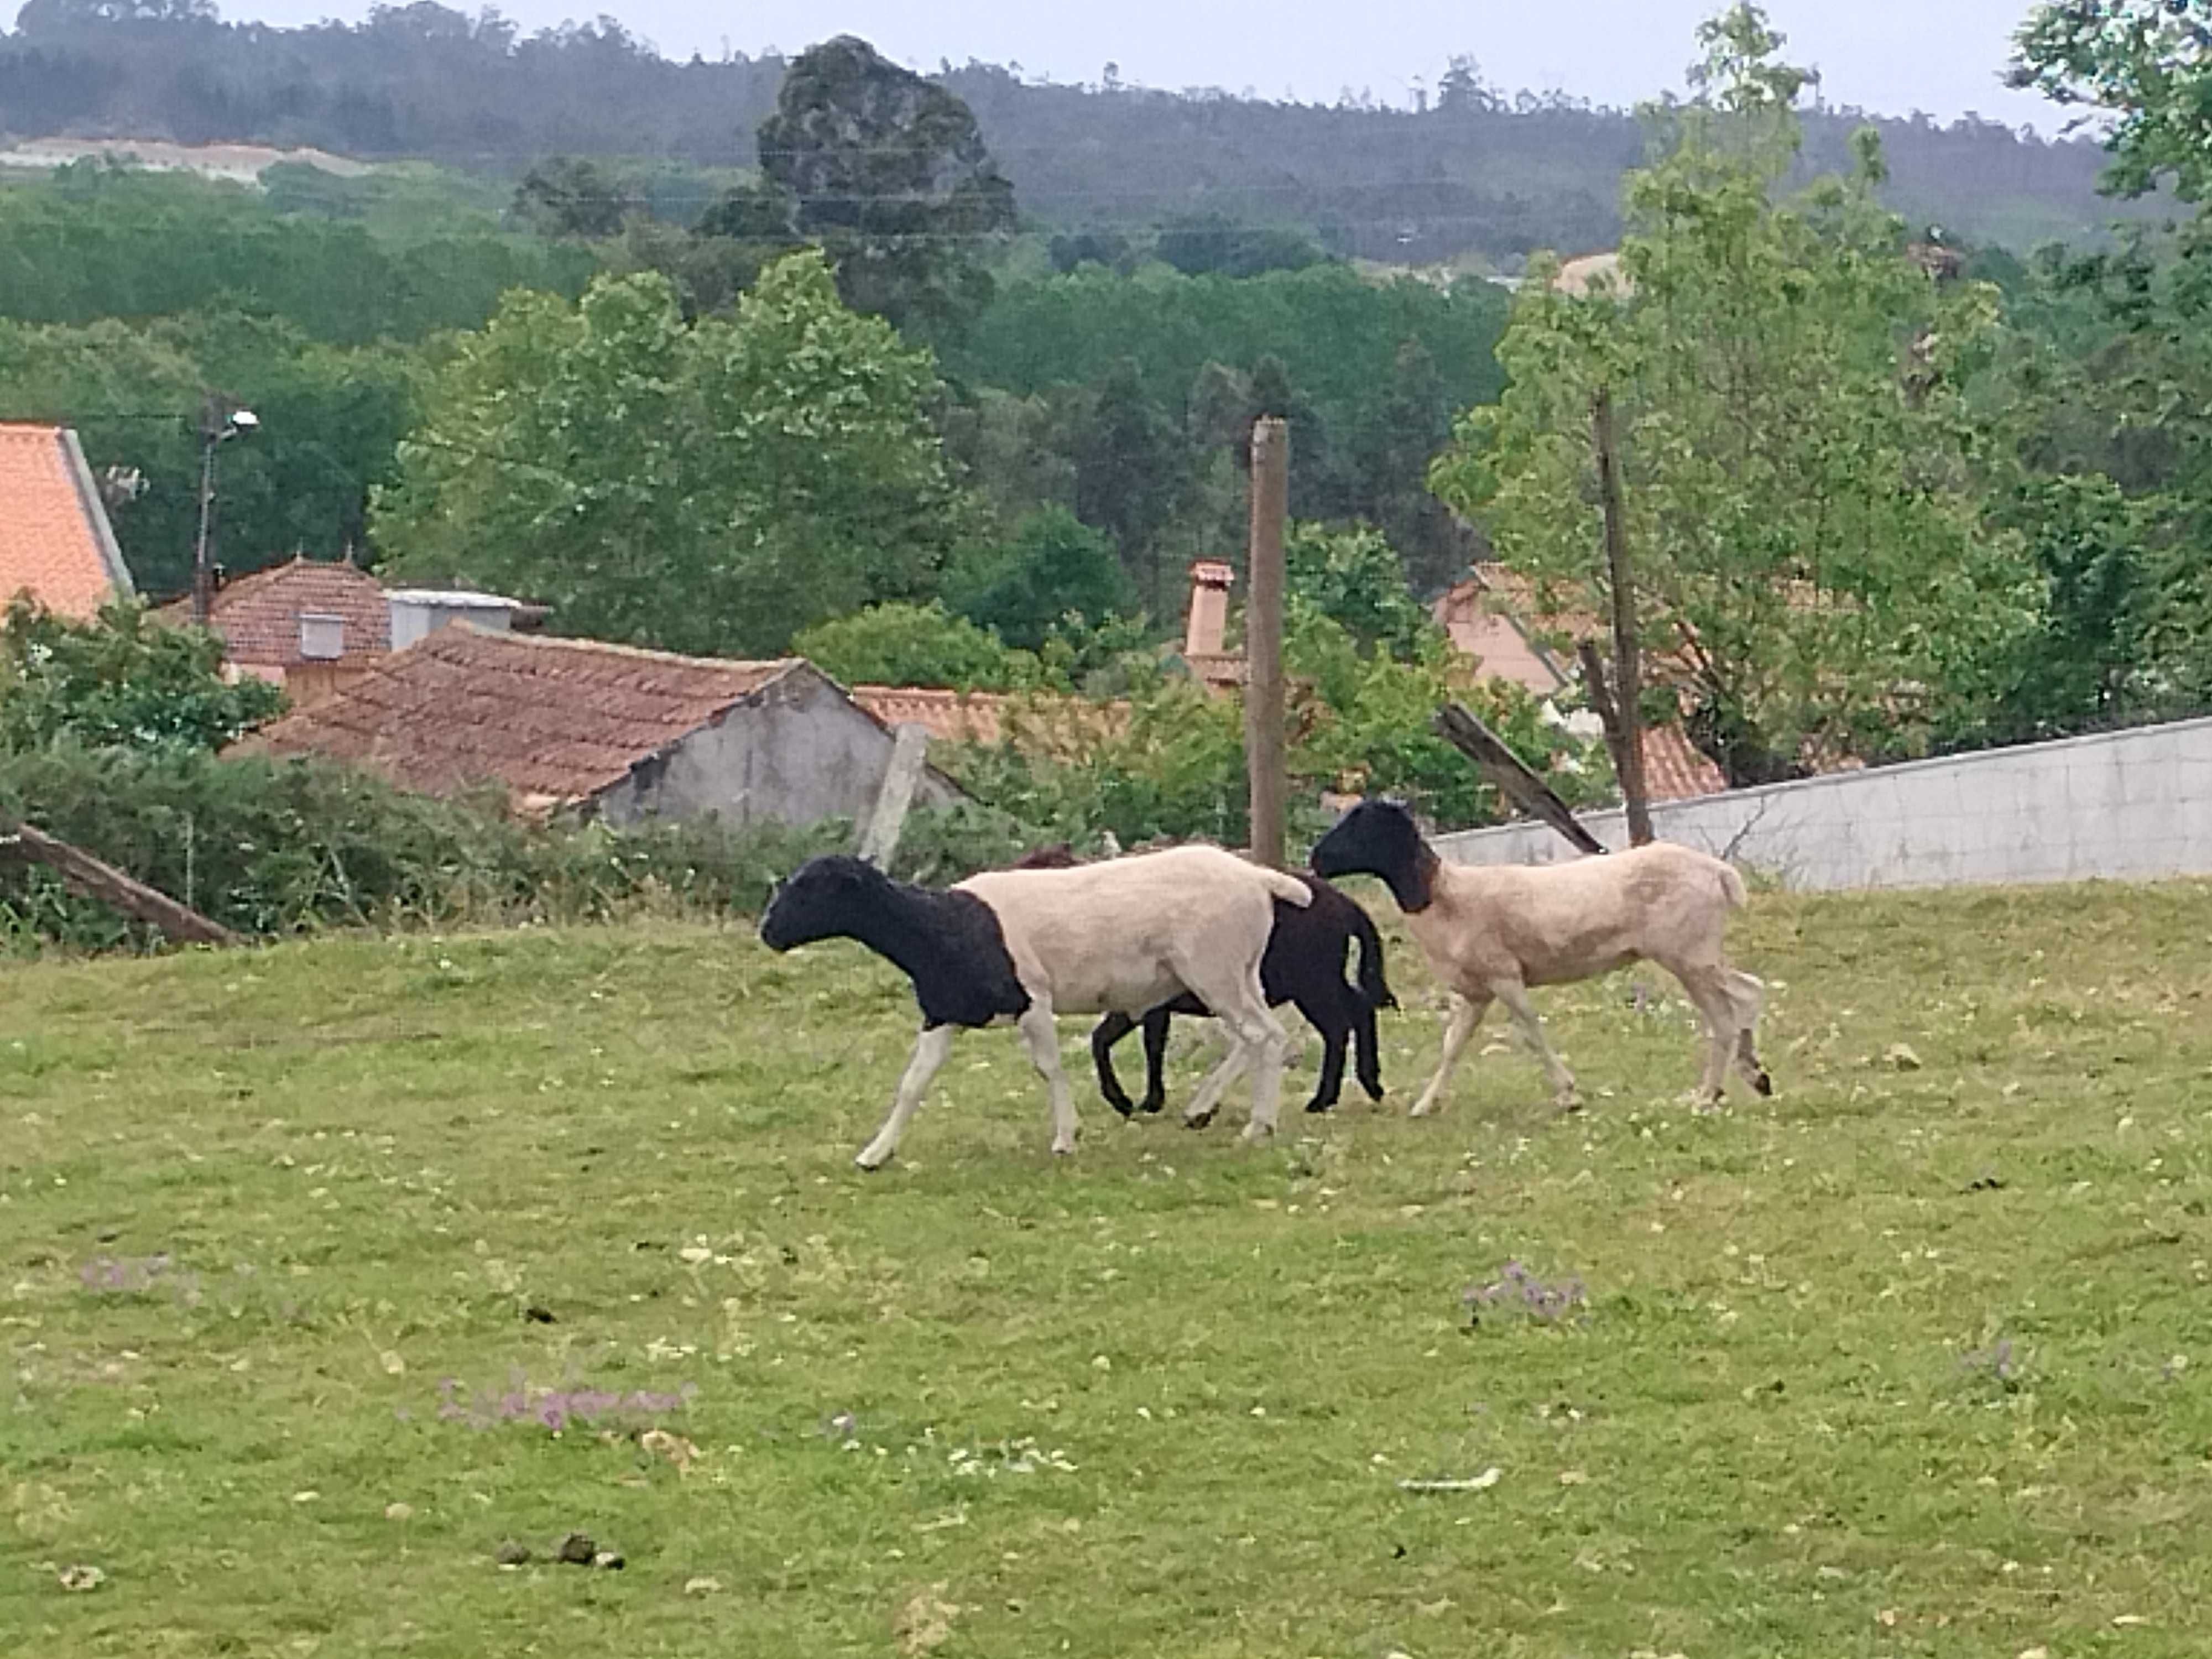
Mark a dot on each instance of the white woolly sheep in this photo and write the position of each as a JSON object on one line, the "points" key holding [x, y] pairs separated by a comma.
{"points": [[1491, 931], [1118, 937]]}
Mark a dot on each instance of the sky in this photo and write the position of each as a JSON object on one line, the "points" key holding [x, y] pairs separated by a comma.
{"points": [[1888, 56]]}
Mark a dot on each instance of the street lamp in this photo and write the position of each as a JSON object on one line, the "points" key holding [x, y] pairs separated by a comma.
{"points": [[220, 419]]}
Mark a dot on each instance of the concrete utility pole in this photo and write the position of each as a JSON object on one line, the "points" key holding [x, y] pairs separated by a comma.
{"points": [[1263, 637], [219, 419]]}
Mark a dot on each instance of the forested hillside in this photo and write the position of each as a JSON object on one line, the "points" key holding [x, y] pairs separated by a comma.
{"points": [[1482, 170]]}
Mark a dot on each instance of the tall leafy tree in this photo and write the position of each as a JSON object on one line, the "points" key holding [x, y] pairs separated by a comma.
{"points": [[1130, 476], [1813, 566], [888, 172], [713, 487]]}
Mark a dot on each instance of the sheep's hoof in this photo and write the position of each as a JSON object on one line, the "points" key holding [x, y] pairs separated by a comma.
{"points": [[1259, 1132], [1125, 1106], [1763, 1084], [1063, 1148], [1422, 1108], [1318, 1105], [1198, 1119], [871, 1163], [1568, 1102], [1149, 1106]]}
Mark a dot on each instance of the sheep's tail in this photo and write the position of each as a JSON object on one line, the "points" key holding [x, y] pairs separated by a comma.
{"points": [[1372, 986], [1289, 889], [1732, 886]]}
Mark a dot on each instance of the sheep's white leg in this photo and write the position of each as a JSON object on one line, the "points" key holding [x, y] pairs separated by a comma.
{"points": [[1200, 1112], [1515, 996], [1709, 989], [1272, 1044], [1749, 995], [1467, 1013], [930, 1049], [1041, 1038]]}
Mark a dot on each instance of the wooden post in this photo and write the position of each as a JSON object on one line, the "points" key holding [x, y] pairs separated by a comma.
{"points": [[1506, 772], [909, 752], [1263, 637], [81, 872], [1626, 691]]}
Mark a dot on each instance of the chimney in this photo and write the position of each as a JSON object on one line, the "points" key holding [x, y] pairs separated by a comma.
{"points": [[1209, 608]]}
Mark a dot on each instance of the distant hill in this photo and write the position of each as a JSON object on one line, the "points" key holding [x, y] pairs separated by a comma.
{"points": [[1481, 174]]}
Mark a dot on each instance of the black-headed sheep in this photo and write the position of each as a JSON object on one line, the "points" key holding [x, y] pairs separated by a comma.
{"points": [[1122, 936], [1490, 931]]}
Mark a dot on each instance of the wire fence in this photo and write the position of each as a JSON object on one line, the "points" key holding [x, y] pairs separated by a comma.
{"points": [[2128, 805]]}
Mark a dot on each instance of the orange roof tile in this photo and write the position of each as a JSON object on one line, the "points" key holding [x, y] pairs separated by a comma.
{"points": [[259, 615], [1057, 725], [55, 541], [551, 719], [1674, 768]]}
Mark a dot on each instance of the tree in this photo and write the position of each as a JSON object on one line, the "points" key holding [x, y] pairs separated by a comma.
{"points": [[120, 680], [1055, 564], [906, 644], [889, 173], [1199, 243], [1130, 476], [1355, 578], [713, 487], [581, 198], [1406, 430], [1816, 573], [2149, 62]]}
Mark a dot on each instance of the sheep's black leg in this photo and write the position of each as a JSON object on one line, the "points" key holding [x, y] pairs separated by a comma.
{"points": [[1335, 1030], [1155, 1060], [1111, 1031], [1370, 1052]]}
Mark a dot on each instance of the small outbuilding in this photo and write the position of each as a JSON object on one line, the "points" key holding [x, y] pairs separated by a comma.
{"points": [[617, 732]]}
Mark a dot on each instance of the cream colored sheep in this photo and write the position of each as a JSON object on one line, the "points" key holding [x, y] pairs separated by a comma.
{"points": [[1118, 937], [1492, 931]]}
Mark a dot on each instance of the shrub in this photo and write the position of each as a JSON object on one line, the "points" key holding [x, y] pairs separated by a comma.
{"points": [[120, 678]]}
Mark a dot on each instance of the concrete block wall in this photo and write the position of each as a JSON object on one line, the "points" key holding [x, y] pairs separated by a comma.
{"points": [[2123, 805]]}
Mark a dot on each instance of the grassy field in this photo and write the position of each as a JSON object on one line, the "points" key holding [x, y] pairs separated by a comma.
{"points": [[304, 1247]]}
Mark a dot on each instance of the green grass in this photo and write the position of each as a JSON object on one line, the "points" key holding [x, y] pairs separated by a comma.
{"points": [[1769, 1434]]}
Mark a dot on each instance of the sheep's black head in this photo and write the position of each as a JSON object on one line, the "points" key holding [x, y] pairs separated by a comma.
{"points": [[1379, 838], [826, 897]]}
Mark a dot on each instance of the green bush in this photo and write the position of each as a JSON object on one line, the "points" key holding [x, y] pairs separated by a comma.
{"points": [[120, 678]]}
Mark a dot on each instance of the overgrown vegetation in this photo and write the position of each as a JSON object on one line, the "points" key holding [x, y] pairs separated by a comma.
{"points": [[122, 679], [272, 848]]}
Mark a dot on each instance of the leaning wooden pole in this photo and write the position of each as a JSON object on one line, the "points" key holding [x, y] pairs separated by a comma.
{"points": [[1625, 731], [1507, 774], [81, 872], [1263, 637]]}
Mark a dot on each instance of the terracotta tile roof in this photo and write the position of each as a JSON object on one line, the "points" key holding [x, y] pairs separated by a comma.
{"points": [[1057, 724], [1488, 611], [553, 719], [54, 535], [1674, 768], [259, 615]]}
